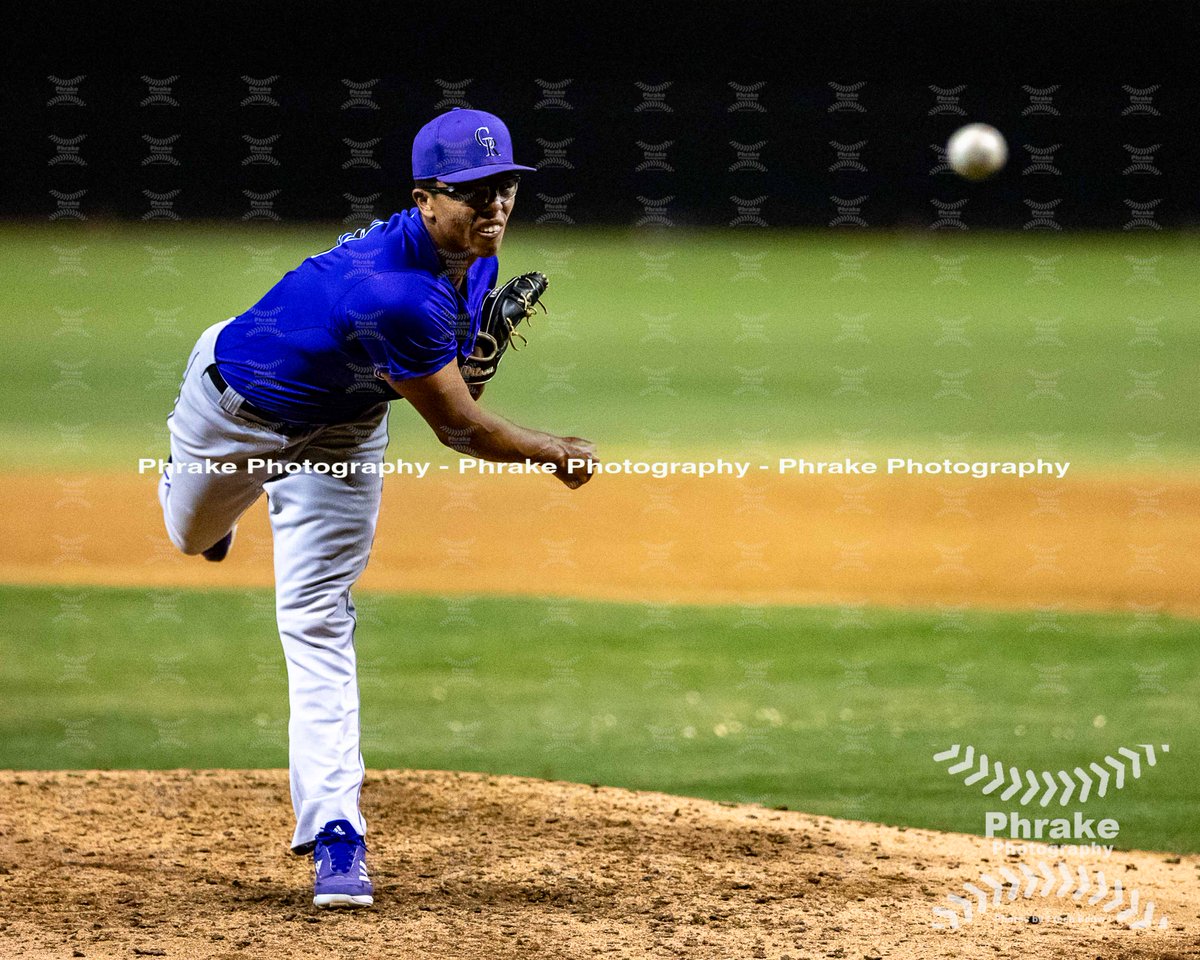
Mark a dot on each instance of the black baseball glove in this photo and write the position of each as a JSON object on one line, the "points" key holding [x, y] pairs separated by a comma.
{"points": [[503, 309]]}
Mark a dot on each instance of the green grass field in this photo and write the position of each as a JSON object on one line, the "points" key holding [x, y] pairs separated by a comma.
{"points": [[733, 343], [823, 710], [707, 340]]}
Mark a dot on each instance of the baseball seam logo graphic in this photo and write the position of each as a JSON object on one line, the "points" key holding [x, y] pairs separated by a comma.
{"points": [[1047, 783], [1064, 883]]}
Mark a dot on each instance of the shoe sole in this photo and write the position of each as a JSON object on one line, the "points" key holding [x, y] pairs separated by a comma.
{"points": [[343, 900]]}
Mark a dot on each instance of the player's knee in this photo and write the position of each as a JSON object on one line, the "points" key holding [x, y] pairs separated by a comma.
{"points": [[187, 542], [190, 548], [318, 620]]}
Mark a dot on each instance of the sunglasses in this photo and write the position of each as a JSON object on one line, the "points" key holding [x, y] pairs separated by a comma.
{"points": [[479, 195]]}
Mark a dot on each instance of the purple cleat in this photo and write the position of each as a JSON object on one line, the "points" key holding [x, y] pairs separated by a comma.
{"points": [[219, 550], [341, 863]]}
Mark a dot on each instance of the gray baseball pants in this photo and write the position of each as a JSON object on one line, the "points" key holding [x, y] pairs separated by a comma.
{"points": [[323, 528]]}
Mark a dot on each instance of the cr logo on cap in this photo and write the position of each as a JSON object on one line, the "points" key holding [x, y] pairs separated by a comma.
{"points": [[483, 137]]}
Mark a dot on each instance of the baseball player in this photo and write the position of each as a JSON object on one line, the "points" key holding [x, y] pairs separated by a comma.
{"points": [[404, 308]]}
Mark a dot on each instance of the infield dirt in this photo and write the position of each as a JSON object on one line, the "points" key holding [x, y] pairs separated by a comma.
{"points": [[1105, 542], [194, 864]]}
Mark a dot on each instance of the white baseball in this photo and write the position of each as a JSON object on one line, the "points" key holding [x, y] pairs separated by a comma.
{"points": [[976, 151]]}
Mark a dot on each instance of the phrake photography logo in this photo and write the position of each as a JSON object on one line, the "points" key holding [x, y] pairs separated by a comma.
{"points": [[1043, 844]]}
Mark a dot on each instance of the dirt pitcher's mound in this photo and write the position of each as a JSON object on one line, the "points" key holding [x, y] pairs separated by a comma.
{"points": [[194, 864]]}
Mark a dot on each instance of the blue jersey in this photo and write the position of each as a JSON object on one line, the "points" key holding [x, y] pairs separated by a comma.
{"points": [[379, 302]]}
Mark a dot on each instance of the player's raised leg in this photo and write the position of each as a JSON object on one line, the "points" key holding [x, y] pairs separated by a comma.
{"points": [[200, 507]]}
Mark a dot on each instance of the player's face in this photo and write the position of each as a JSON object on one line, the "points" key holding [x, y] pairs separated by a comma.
{"points": [[469, 217]]}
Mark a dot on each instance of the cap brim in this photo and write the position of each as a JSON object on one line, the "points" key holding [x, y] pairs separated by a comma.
{"points": [[478, 173]]}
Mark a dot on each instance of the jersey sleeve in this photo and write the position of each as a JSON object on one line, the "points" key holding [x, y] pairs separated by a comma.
{"points": [[405, 322], [490, 273]]}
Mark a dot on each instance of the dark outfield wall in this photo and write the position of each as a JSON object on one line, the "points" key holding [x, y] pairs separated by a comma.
{"points": [[846, 136], [650, 151]]}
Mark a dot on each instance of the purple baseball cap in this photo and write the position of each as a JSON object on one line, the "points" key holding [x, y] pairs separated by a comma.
{"points": [[462, 145]]}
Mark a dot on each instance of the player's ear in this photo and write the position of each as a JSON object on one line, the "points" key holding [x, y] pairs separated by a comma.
{"points": [[423, 200]]}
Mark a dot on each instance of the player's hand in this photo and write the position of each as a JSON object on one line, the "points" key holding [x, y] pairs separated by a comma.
{"points": [[575, 448]]}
